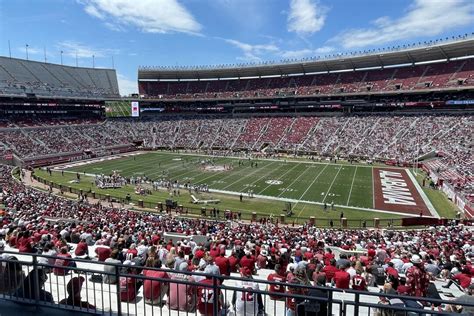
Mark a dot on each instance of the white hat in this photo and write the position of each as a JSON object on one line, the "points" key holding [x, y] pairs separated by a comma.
{"points": [[128, 263], [415, 259]]}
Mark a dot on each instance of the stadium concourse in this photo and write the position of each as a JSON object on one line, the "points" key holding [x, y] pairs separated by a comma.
{"points": [[417, 264]]}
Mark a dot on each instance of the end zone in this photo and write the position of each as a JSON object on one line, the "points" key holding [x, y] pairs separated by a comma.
{"points": [[396, 190]]}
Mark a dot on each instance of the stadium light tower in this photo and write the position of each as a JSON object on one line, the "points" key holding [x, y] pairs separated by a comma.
{"points": [[62, 57], [26, 49], [9, 49], [93, 61]]}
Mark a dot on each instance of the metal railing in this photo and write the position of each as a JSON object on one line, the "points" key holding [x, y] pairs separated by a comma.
{"points": [[50, 286]]}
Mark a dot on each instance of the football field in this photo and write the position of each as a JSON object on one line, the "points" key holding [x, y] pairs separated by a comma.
{"points": [[388, 190]]}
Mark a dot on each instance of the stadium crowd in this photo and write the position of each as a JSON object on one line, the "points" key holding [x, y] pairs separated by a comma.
{"points": [[404, 262], [419, 77], [398, 139]]}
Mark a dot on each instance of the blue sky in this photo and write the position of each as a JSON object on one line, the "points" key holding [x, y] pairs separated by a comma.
{"points": [[206, 32]]}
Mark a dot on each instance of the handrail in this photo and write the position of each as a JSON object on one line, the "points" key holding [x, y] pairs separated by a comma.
{"points": [[219, 280]]}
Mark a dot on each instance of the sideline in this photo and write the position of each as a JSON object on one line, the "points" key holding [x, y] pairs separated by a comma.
{"points": [[423, 195]]}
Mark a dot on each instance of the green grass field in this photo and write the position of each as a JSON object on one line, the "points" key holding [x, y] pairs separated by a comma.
{"points": [[344, 185], [303, 183]]}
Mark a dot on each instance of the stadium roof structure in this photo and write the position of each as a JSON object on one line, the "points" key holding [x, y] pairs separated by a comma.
{"points": [[411, 54]]}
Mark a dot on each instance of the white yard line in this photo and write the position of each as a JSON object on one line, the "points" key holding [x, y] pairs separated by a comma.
{"points": [[289, 186], [279, 178], [422, 194], [352, 184], [250, 174], [316, 178], [267, 197], [332, 183], [373, 188]]}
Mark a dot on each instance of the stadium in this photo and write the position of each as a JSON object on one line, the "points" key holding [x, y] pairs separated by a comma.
{"points": [[337, 185]]}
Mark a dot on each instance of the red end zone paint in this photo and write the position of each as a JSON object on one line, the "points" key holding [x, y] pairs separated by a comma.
{"points": [[394, 191]]}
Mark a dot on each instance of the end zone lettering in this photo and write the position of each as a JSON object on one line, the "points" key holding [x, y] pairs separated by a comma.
{"points": [[394, 188]]}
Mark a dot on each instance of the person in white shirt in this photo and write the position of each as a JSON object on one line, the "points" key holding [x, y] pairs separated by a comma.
{"points": [[351, 270], [47, 251], [397, 263], [247, 303]]}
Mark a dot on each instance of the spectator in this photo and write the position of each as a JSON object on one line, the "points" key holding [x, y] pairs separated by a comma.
{"points": [[467, 298], [463, 279], [110, 268], [301, 279], [330, 269], [30, 287], [82, 249], [342, 278], [62, 261], [276, 288], [128, 284], [11, 275], [74, 288], [223, 263], [206, 295], [417, 278], [154, 290], [248, 261], [182, 297], [247, 301], [315, 307], [103, 252]]}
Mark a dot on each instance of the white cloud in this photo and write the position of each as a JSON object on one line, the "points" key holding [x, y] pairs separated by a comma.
{"points": [[306, 16], [92, 11], [31, 50], [150, 16], [71, 48], [126, 86], [253, 52], [424, 18], [302, 53]]}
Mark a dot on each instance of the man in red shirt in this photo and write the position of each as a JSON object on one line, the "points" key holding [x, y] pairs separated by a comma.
{"points": [[328, 256], [128, 285], [262, 260], [330, 270], [248, 261], [358, 282], [25, 243], [390, 270], [199, 253], [82, 250], [342, 278], [463, 279], [62, 261], [276, 288], [206, 295], [103, 252], [233, 262], [223, 263], [155, 290]]}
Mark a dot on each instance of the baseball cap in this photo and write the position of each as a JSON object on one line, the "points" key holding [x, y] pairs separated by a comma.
{"points": [[415, 259], [128, 263]]}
